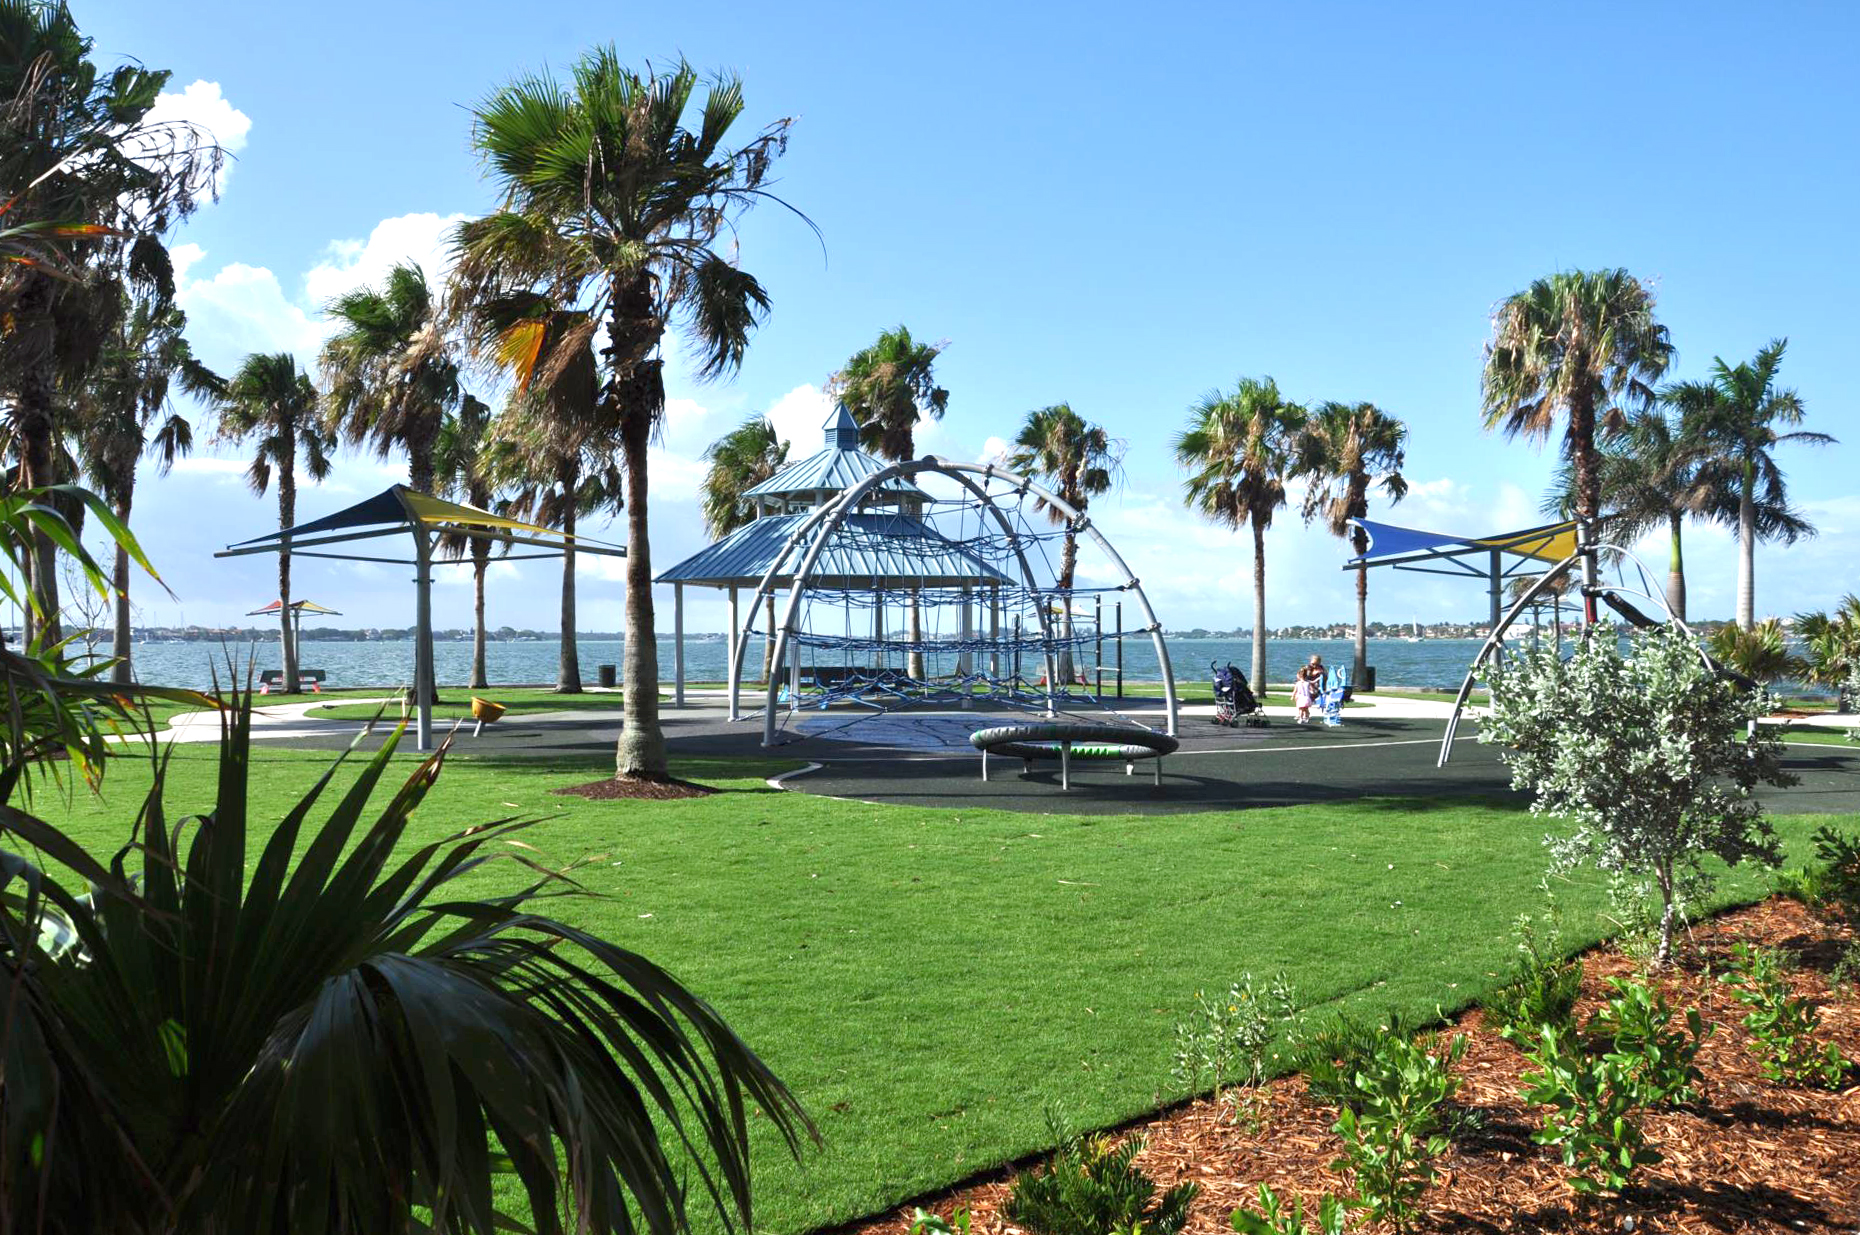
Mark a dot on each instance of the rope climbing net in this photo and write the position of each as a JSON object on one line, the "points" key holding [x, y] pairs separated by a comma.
{"points": [[980, 589]]}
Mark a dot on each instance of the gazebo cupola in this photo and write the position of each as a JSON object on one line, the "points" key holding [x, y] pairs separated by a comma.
{"points": [[822, 476]]}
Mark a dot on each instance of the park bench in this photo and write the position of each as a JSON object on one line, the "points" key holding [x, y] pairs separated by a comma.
{"points": [[273, 679]]}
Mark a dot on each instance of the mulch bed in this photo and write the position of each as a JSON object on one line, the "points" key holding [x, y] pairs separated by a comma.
{"points": [[617, 787], [1754, 1155]]}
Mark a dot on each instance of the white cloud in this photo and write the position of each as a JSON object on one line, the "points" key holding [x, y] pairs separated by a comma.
{"points": [[349, 264], [242, 309], [208, 466], [202, 106], [798, 417], [995, 449]]}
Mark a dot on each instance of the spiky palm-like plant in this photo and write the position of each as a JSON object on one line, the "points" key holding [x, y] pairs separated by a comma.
{"points": [[619, 188], [270, 404], [1079, 461], [1832, 644], [889, 387], [1344, 450], [461, 470], [1238, 448], [1761, 653], [1581, 348], [314, 1026], [389, 370], [1738, 417]]}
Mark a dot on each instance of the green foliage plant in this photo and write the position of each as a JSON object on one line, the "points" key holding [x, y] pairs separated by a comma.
{"points": [[1093, 1186], [1593, 1121], [1636, 1023], [1330, 1053], [1782, 1023], [319, 1029], [1273, 1218], [1397, 1127], [1648, 756], [1545, 983], [1838, 876], [1230, 1037], [923, 1222]]}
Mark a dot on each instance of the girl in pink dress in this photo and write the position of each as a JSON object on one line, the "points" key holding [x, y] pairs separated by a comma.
{"points": [[1305, 688]]}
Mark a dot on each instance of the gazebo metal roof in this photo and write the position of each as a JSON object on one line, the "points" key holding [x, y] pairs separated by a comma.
{"points": [[839, 466], [874, 548]]}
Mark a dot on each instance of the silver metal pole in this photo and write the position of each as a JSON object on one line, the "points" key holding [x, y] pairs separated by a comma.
{"points": [[678, 645], [423, 632], [730, 655]]}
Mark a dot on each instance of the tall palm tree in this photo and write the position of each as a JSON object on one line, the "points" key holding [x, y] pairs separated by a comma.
{"points": [[270, 403], [1079, 461], [1735, 417], [390, 370], [1650, 481], [461, 471], [739, 461], [614, 206], [1238, 449], [81, 164], [888, 387], [1583, 346], [123, 411], [1346, 448]]}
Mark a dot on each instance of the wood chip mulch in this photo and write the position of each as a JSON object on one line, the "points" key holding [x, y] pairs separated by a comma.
{"points": [[619, 787], [1754, 1155]]}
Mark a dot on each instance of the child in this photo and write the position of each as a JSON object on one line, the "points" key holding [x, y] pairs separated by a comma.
{"points": [[1305, 688]]}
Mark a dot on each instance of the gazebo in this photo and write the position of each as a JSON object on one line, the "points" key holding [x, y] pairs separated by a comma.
{"points": [[885, 545], [400, 511]]}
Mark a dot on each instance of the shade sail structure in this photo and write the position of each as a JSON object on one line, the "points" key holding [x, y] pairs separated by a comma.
{"points": [[400, 509], [298, 608], [1390, 545], [424, 519]]}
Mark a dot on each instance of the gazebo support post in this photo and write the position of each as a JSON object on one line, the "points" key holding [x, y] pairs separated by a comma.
{"points": [[730, 653], [678, 645], [965, 662], [994, 631], [423, 639]]}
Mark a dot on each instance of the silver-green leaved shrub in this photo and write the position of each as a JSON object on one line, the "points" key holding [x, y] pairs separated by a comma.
{"points": [[1648, 757]]}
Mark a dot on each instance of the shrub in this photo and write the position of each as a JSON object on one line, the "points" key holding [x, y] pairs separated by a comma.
{"points": [[1396, 1127], [923, 1222], [1594, 1102], [1782, 1024], [1094, 1187], [1274, 1219], [1231, 1037], [1636, 1022], [1838, 878], [1330, 1055], [1650, 757], [1545, 984]]}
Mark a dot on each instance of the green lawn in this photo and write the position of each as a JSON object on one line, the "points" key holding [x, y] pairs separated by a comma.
{"points": [[1817, 735], [931, 982], [455, 703]]}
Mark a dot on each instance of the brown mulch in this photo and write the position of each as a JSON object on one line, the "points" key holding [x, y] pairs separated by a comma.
{"points": [[619, 787], [1754, 1155]]}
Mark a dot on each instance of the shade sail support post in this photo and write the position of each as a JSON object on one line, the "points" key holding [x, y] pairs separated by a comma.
{"points": [[678, 645], [423, 688]]}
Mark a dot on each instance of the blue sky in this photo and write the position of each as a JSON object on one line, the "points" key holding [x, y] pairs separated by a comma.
{"points": [[1112, 205]]}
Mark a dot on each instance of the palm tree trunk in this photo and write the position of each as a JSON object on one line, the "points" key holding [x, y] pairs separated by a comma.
{"points": [[568, 668], [31, 339], [1676, 570], [480, 560], [1068, 564], [121, 646], [916, 662], [1588, 490], [641, 751], [768, 648], [1259, 610], [1747, 551], [1359, 665], [287, 517], [420, 454]]}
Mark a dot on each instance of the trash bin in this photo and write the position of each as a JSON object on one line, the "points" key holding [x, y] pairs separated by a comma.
{"points": [[1369, 679], [607, 677]]}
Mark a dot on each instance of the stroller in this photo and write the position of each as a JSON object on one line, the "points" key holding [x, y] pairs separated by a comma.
{"points": [[1234, 702]]}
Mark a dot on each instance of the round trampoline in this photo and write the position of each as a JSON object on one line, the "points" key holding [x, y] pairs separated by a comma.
{"points": [[1067, 741]]}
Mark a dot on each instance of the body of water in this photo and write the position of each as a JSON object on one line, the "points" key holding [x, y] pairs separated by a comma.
{"points": [[1428, 663]]}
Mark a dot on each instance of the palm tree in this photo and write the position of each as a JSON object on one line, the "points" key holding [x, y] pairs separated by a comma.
{"points": [[80, 164], [1582, 345], [1079, 461], [390, 371], [1344, 449], [461, 470], [739, 461], [1238, 449], [888, 387], [613, 206], [123, 411], [1833, 647], [1734, 417], [270, 402], [1760, 653], [1650, 475]]}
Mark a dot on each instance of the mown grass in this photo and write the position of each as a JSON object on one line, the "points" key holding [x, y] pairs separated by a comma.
{"points": [[932, 982], [455, 703]]}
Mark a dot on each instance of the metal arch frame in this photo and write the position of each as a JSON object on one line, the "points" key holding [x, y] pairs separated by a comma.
{"points": [[1496, 639], [828, 518]]}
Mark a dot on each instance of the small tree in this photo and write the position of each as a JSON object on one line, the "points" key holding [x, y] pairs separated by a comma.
{"points": [[1650, 755]]}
